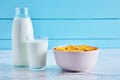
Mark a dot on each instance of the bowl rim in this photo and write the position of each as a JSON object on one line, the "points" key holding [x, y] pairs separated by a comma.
{"points": [[76, 52]]}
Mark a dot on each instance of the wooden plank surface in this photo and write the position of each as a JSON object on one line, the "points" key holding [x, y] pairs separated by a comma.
{"points": [[68, 28], [63, 8]]}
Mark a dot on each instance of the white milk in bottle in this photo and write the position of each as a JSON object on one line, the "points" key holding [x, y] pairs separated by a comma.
{"points": [[22, 27]]}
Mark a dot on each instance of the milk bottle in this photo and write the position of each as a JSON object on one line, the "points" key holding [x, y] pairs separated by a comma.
{"points": [[22, 27]]}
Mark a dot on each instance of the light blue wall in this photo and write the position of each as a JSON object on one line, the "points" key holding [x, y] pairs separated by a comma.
{"points": [[95, 22]]}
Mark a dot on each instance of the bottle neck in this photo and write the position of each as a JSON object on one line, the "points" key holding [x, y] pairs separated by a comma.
{"points": [[22, 13]]}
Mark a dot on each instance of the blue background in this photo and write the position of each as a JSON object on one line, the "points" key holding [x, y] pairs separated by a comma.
{"points": [[93, 22]]}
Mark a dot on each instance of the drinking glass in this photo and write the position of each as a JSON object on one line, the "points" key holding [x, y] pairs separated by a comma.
{"points": [[37, 52]]}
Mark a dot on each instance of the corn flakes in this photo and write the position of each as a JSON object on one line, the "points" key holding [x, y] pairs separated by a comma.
{"points": [[76, 48]]}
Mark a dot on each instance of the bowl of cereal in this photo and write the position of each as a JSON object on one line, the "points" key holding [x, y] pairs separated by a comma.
{"points": [[76, 57]]}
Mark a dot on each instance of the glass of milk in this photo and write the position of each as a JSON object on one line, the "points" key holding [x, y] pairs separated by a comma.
{"points": [[37, 53]]}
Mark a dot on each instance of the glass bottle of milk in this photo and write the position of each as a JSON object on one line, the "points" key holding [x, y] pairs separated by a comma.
{"points": [[22, 27]]}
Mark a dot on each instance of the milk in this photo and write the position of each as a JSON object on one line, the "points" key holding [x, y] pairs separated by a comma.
{"points": [[37, 51], [22, 27]]}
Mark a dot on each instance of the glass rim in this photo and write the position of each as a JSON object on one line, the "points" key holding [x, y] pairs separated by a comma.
{"points": [[40, 37], [28, 39]]}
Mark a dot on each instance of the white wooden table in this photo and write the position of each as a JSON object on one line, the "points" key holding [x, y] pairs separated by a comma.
{"points": [[107, 68]]}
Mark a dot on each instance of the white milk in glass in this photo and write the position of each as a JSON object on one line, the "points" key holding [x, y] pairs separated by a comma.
{"points": [[37, 52]]}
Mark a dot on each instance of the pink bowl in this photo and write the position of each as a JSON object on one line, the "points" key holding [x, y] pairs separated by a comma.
{"points": [[76, 61]]}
